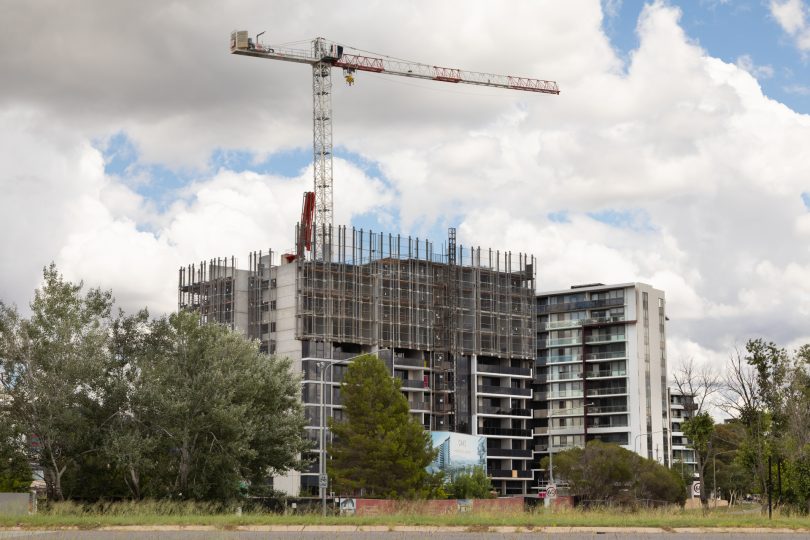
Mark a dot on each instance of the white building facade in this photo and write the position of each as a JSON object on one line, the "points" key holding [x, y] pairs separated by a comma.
{"points": [[601, 371]]}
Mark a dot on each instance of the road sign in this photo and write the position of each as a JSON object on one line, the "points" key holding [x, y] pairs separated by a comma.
{"points": [[323, 481], [551, 491], [695, 489]]}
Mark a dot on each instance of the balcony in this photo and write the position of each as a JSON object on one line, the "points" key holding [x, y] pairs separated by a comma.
{"points": [[606, 373], [508, 452], [584, 304], [505, 432], [505, 370], [564, 394], [556, 325], [573, 411], [605, 338], [610, 390], [502, 411], [562, 358], [607, 409], [504, 390], [419, 405], [558, 342], [576, 323], [561, 376], [611, 355], [411, 362], [509, 473], [413, 383]]}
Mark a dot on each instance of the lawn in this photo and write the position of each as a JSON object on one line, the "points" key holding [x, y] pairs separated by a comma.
{"points": [[154, 514]]}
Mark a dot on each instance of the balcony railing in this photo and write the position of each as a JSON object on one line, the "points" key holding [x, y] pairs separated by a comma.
{"points": [[606, 355], [606, 338], [509, 473], [558, 342], [505, 432], [564, 394], [573, 411], [419, 405], [606, 391], [505, 370], [413, 383], [508, 452], [502, 411], [607, 409], [561, 376], [414, 362], [584, 304], [504, 390], [606, 373], [556, 325], [560, 358]]}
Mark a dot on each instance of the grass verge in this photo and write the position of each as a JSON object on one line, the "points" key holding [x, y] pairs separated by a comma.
{"points": [[174, 514]]}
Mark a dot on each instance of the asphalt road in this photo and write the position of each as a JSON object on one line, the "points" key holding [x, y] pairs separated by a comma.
{"points": [[332, 535]]}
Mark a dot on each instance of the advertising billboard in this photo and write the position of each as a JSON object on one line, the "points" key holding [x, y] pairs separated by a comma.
{"points": [[458, 452]]}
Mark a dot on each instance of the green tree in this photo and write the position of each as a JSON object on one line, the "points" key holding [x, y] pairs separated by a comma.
{"points": [[608, 473], [221, 412], [700, 430], [15, 473], [380, 450], [53, 365], [473, 484]]}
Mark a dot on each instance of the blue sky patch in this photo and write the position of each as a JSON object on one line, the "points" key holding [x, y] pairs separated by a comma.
{"points": [[728, 31], [635, 219], [560, 216]]}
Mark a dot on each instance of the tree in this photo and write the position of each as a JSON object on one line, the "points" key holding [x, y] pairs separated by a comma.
{"points": [[698, 385], [700, 431], [221, 412], [756, 388], [607, 473], [53, 365], [474, 484], [15, 473], [380, 450]]}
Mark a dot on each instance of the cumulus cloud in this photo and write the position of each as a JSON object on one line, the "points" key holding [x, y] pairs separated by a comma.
{"points": [[745, 62], [792, 17], [670, 168]]}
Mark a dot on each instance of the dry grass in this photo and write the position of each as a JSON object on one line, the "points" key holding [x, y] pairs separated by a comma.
{"points": [[152, 513]]}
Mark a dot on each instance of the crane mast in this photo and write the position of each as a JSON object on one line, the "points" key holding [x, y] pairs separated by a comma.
{"points": [[323, 56]]}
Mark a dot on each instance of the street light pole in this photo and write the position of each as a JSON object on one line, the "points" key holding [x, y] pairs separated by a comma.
{"points": [[322, 478], [635, 441], [322, 366]]}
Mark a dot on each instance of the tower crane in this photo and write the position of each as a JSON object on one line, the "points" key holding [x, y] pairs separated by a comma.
{"points": [[323, 55]]}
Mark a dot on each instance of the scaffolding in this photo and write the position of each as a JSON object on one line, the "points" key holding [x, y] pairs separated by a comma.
{"points": [[209, 289], [400, 292], [261, 298]]}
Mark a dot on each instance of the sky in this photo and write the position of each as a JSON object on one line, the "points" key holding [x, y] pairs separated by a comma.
{"points": [[132, 143]]}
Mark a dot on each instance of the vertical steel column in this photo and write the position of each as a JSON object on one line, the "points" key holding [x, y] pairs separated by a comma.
{"points": [[322, 147]]}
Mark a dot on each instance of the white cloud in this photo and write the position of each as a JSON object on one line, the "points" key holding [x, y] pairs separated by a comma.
{"points": [[746, 63], [792, 17], [708, 170]]}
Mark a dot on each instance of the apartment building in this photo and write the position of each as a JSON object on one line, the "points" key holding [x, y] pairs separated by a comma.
{"points": [[455, 325], [680, 410], [601, 370]]}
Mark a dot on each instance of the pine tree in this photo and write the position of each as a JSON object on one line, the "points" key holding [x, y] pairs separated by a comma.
{"points": [[380, 450]]}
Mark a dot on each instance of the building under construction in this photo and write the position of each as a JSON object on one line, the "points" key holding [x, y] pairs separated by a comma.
{"points": [[456, 325]]}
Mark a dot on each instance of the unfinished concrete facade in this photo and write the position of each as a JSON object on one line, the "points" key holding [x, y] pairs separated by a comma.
{"points": [[455, 325]]}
